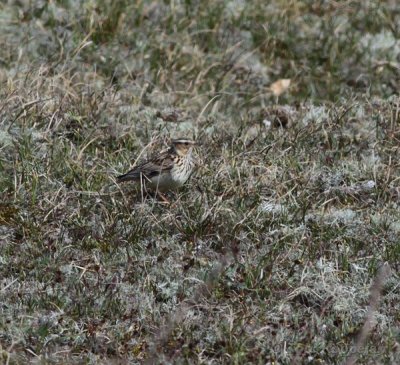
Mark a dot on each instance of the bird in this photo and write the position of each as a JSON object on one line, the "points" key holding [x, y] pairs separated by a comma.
{"points": [[168, 170]]}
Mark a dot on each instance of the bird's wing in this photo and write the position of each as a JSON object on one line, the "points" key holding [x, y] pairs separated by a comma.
{"points": [[156, 166], [149, 169]]}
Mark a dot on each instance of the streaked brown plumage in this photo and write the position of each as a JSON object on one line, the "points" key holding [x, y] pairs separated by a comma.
{"points": [[167, 171]]}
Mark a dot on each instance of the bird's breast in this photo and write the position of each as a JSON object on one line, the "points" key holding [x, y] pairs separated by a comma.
{"points": [[165, 182]]}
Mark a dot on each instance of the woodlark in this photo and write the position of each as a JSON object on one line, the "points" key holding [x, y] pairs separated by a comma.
{"points": [[167, 171]]}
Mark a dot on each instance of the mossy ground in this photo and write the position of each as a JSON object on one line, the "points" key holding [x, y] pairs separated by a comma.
{"points": [[268, 254]]}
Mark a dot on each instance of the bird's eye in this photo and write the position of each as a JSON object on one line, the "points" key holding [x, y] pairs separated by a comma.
{"points": [[186, 143]]}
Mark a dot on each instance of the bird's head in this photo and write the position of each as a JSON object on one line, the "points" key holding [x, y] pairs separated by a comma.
{"points": [[183, 146]]}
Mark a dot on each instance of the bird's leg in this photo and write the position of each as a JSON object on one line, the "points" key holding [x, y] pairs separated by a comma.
{"points": [[162, 197]]}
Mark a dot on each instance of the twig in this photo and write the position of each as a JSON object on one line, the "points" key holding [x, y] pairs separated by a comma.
{"points": [[375, 297]]}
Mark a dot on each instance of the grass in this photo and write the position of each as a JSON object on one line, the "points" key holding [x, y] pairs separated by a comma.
{"points": [[282, 248]]}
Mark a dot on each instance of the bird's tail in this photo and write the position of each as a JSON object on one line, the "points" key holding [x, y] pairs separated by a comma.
{"points": [[130, 176]]}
